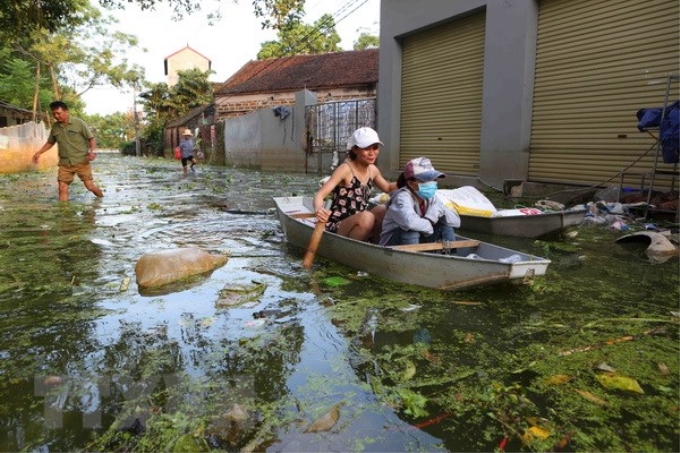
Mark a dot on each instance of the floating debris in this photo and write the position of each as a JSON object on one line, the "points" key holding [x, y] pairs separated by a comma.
{"points": [[256, 323], [240, 295], [165, 266], [102, 242], [535, 432], [236, 413], [53, 380], [604, 367], [409, 372], [558, 379], [592, 398], [326, 421], [368, 327], [124, 284]]}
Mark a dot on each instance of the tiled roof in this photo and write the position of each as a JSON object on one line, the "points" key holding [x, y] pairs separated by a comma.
{"points": [[193, 113], [356, 68], [14, 108]]}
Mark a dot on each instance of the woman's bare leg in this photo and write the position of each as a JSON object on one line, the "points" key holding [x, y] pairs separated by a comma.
{"points": [[379, 214], [358, 226]]}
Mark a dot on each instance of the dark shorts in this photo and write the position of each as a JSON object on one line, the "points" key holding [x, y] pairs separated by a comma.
{"points": [[187, 159], [67, 172]]}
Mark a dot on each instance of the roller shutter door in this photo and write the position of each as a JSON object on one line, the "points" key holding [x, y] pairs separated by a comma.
{"points": [[441, 99], [597, 64]]}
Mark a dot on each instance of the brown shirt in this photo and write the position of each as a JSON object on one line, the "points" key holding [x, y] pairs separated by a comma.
{"points": [[73, 140]]}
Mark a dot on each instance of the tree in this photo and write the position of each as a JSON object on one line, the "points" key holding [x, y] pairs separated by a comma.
{"points": [[111, 130], [366, 41], [275, 14], [161, 104], [279, 14], [303, 39], [50, 36], [17, 83], [70, 59], [193, 89], [154, 102], [157, 111], [85, 54], [18, 17]]}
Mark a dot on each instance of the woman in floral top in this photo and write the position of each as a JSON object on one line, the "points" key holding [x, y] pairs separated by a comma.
{"points": [[350, 186]]}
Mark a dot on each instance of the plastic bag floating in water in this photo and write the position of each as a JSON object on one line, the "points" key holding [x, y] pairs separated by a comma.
{"points": [[166, 266]]}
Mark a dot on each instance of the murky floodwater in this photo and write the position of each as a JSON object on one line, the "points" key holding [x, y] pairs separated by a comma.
{"points": [[87, 364]]}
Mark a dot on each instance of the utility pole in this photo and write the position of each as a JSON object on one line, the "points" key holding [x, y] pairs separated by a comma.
{"points": [[138, 147]]}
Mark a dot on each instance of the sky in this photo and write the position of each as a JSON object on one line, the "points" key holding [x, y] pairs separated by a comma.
{"points": [[229, 44]]}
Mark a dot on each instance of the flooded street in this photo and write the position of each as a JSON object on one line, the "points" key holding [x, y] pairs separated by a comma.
{"points": [[263, 355]]}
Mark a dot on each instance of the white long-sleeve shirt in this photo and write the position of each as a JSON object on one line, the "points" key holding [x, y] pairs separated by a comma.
{"points": [[403, 211]]}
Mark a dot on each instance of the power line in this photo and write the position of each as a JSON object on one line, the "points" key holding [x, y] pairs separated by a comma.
{"points": [[317, 30]]}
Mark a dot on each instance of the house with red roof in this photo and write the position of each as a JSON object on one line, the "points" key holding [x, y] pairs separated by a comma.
{"points": [[334, 76]]}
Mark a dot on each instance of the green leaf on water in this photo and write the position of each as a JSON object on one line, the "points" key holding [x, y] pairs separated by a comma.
{"points": [[337, 281], [612, 381], [414, 403]]}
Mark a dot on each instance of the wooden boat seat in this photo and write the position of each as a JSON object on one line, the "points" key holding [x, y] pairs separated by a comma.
{"points": [[428, 246], [303, 215]]}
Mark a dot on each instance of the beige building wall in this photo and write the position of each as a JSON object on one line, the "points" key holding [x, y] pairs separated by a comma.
{"points": [[182, 60]]}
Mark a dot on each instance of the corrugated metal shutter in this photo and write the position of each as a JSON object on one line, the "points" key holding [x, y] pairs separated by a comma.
{"points": [[441, 99], [596, 65]]}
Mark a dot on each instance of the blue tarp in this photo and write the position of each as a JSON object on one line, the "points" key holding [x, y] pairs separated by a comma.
{"points": [[669, 129]]}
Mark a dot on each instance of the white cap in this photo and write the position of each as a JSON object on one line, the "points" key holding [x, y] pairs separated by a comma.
{"points": [[363, 138]]}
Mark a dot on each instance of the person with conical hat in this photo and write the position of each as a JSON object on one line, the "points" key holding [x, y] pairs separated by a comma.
{"points": [[187, 146]]}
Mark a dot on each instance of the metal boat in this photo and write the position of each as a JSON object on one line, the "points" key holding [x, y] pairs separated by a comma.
{"points": [[460, 264], [523, 226]]}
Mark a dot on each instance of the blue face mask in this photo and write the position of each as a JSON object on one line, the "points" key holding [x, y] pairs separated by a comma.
{"points": [[426, 190]]}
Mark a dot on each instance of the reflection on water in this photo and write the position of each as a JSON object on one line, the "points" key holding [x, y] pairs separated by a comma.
{"points": [[414, 369]]}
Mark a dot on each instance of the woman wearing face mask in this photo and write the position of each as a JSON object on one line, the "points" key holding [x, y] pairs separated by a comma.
{"points": [[414, 213]]}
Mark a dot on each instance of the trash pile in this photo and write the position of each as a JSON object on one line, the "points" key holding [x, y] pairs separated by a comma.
{"points": [[620, 216], [662, 242], [617, 216]]}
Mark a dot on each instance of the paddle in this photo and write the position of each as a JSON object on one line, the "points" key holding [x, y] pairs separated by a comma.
{"points": [[313, 244]]}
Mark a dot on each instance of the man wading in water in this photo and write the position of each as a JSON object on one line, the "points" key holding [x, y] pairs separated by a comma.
{"points": [[76, 150]]}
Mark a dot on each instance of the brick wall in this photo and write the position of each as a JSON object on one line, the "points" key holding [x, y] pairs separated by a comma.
{"points": [[231, 106]]}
